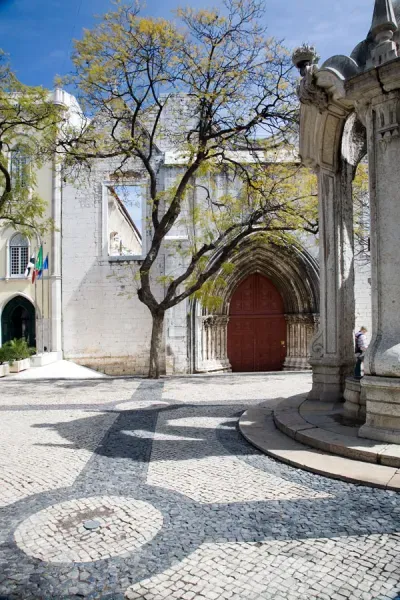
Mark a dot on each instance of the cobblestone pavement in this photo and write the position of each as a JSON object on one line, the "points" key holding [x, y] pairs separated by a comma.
{"points": [[131, 489]]}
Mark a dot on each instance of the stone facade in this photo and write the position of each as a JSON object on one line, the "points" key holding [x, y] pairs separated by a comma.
{"points": [[349, 106]]}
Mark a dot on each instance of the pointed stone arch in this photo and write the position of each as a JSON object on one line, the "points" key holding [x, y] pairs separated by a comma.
{"points": [[295, 275]]}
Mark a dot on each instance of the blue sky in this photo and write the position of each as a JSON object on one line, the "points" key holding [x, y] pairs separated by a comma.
{"points": [[37, 33]]}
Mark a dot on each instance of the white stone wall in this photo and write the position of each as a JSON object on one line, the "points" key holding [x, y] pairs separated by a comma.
{"points": [[105, 326]]}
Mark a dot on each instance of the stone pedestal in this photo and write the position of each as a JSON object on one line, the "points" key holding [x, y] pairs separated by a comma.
{"points": [[328, 381], [383, 409], [354, 406]]}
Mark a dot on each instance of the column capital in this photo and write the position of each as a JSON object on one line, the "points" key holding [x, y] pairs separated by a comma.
{"points": [[307, 318]]}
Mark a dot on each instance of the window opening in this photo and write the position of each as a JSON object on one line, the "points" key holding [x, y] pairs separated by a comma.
{"points": [[19, 166], [126, 220], [19, 255]]}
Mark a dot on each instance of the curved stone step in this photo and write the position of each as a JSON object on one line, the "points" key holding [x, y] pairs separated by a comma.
{"points": [[316, 424], [258, 427]]}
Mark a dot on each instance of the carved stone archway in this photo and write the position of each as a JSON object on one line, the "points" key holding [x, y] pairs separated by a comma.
{"points": [[368, 84], [293, 272], [332, 142]]}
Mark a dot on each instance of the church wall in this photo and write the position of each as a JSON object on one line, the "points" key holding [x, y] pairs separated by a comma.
{"points": [[105, 326]]}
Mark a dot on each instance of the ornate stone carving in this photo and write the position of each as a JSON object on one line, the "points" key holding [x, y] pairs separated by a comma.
{"points": [[213, 320], [317, 346], [305, 59], [304, 56], [388, 125], [115, 244], [308, 319], [309, 92]]}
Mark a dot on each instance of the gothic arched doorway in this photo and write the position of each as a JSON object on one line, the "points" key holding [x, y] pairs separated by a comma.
{"points": [[257, 326], [18, 321]]}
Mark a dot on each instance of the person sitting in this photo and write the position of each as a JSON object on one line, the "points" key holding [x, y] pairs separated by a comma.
{"points": [[361, 345]]}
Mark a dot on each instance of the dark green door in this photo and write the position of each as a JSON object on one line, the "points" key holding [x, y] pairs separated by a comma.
{"points": [[18, 321]]}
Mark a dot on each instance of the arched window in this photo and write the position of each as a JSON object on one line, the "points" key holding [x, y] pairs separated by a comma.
{"points": [[19, 255], [19, 165]]}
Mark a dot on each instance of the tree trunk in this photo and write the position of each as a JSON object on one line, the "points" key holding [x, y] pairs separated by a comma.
{"points": [[155, 347]]}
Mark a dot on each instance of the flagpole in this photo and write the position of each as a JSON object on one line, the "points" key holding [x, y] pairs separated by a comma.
{"points": [[42, 311], [48, 305], [39, 269], [36, 305]]}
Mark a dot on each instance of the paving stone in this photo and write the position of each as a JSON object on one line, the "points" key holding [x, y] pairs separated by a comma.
{"points": [[188, 510]]}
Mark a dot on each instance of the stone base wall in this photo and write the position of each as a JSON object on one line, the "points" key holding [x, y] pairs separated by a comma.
{"points": [[115, 366]]}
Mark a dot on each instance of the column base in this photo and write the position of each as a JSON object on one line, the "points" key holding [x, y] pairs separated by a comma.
{"points": [[294, 363], [328, 382], [382, 396], [212, 366], [354, 406]]}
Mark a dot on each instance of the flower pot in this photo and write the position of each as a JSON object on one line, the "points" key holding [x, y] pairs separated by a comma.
{"points": [[20, 365], [4, 370]]}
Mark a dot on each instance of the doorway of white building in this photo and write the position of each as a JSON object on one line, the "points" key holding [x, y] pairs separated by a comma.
{"points": [[18, 321]]}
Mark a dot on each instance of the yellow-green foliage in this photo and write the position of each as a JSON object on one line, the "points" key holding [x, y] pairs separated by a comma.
{"points": [[28, 120], [231, 144], [361, 211]]}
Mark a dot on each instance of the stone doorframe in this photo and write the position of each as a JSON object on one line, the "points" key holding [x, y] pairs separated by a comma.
{"points": [[293, 272]]}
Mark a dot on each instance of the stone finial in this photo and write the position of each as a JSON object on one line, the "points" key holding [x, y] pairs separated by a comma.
{"points": [[383, 26], [384, 20], [303, 57]]}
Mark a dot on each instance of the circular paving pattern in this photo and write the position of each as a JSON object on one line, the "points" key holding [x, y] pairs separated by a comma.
{"points": [[58, 534]]}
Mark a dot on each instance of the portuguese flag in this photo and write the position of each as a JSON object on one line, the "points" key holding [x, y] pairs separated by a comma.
{"points": [[38, 265]]}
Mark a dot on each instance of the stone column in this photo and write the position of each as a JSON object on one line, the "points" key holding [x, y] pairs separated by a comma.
{"points": [[214, 329], [300, 331], [332, 350], [377, 93]]}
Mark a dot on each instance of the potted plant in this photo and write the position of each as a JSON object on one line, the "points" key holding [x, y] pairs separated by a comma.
{"points": [[4, 366], [17, 354]]}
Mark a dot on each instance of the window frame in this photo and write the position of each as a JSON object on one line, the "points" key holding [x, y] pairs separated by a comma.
{"points": [[19, 145], [105, 254], [9, 274]]}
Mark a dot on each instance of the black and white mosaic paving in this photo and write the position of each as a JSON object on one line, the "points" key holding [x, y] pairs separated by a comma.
{"points": [[146, 490]]}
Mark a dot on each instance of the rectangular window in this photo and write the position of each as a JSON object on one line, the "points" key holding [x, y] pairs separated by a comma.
{"points": [[18, 259], [19, 167], [126, 216]]}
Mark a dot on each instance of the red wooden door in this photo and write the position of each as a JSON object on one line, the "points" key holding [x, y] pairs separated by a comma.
{"points": [[257, 326]]}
